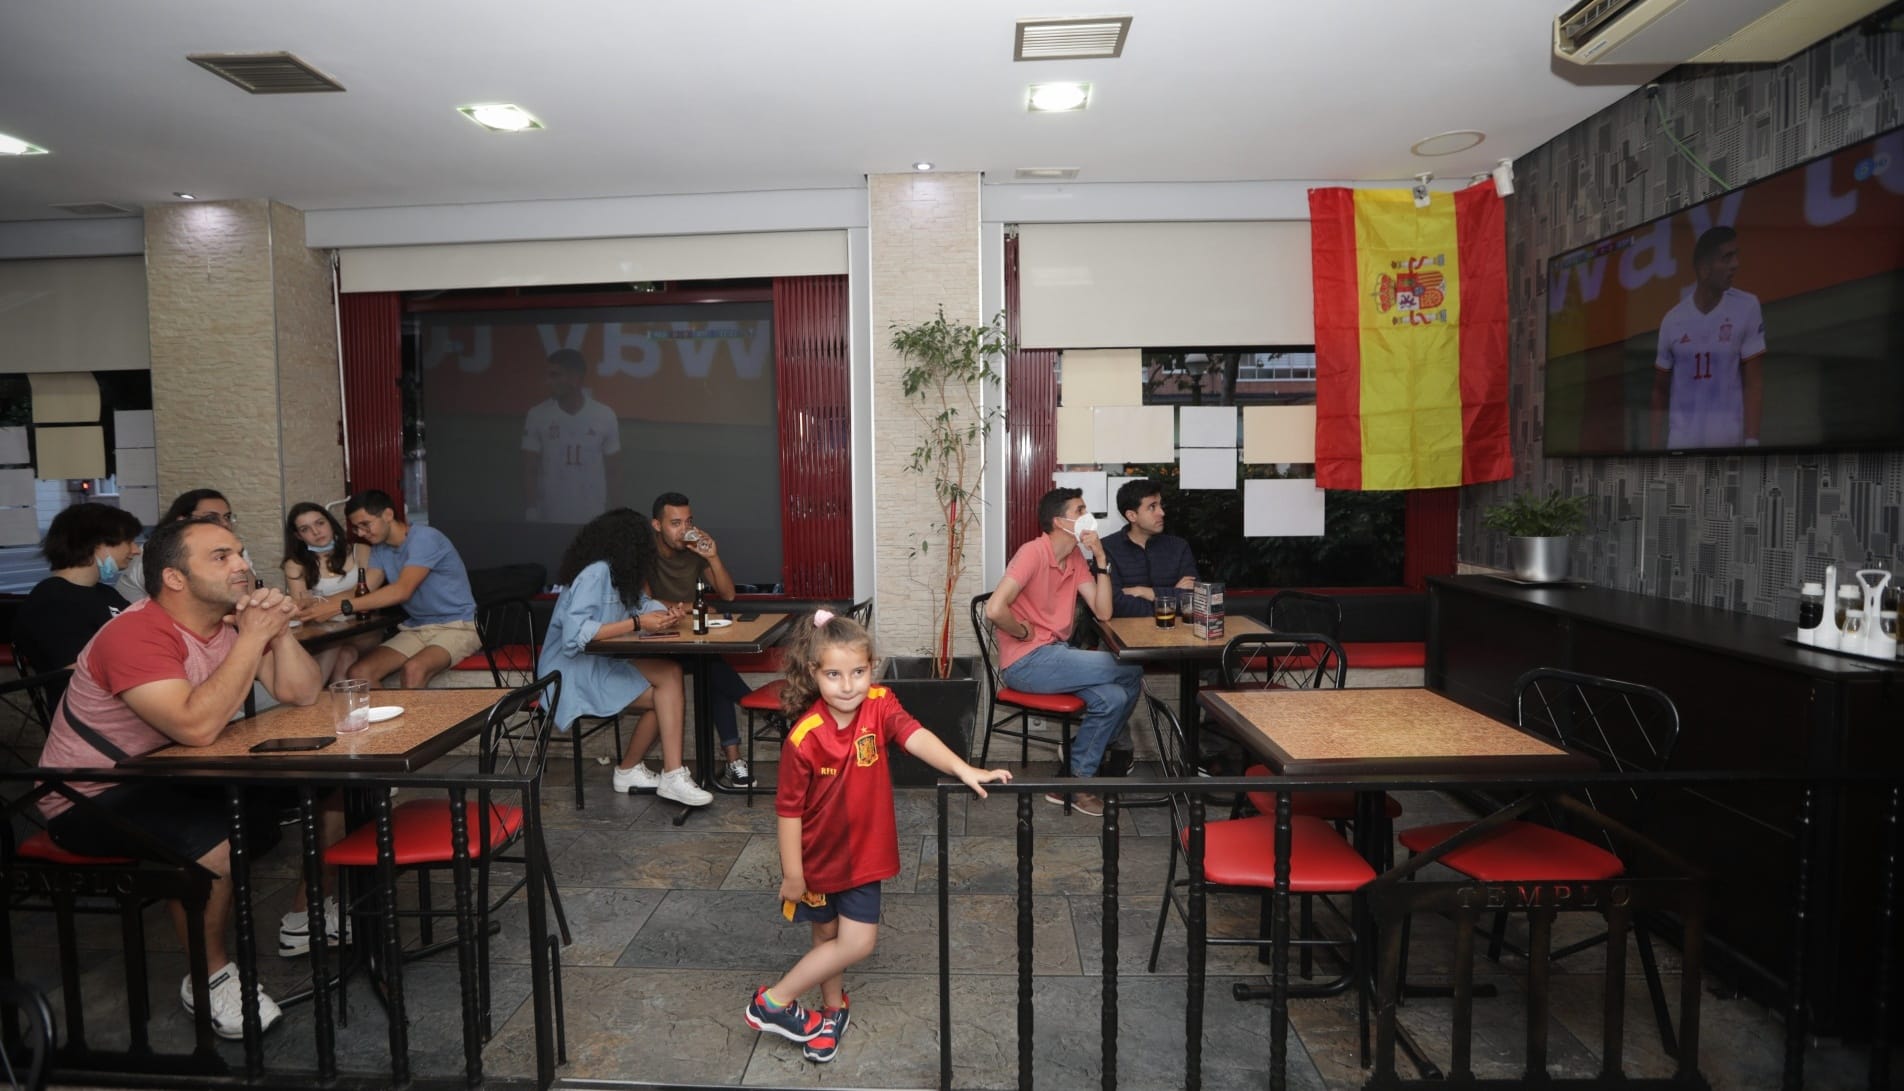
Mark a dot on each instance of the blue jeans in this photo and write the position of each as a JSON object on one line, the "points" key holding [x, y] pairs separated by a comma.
{"points": [[1110, 691]]}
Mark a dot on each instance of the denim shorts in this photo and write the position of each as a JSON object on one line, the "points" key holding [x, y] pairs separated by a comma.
{"points": [[861, 904]]}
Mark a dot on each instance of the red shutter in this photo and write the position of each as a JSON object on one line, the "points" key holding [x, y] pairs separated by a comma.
{"points": [[812, 366], [1031, 420], [1429, 530], [371, 325]]}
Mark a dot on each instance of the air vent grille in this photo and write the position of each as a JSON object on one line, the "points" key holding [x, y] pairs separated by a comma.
{"points": [[1071, 39], [1045, 174], [96, 208], [266, 73]]}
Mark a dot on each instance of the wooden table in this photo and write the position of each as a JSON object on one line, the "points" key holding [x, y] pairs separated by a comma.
{"points": [[1139, 640], [750, 637], [318, 635], [435, 721]]}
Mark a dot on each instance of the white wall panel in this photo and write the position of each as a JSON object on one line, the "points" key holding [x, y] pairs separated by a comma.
{"points": [[74, 314], [593, 261]]}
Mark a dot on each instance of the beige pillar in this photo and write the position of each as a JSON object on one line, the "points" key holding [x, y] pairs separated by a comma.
{"points": [[924, 242], [244, 363]]}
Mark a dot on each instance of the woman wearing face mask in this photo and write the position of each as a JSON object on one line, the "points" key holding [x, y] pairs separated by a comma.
{"points": [[87, 546], [320, 562]]}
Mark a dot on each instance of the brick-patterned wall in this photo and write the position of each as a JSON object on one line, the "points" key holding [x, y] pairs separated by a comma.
{"points": [[239, 311], [924, 237]]}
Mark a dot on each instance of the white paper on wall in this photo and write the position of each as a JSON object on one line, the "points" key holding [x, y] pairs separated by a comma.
{"points": [[1282, 509], [137, 466], [1135, 433], [1091, 482], [1113, 520], [1279, 433], [1101, 377], [132, 428], [71, 452], [19, 527], [63, 396], [1077, 435], [1206, 468], [13, 448], [16, 488], [142, 501], [1206, 426]]}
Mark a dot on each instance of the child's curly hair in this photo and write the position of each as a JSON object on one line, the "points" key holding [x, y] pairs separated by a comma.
{"points": [[812, 636]]}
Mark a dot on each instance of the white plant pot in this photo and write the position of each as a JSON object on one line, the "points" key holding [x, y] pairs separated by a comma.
{"points": [[1539, 560]]}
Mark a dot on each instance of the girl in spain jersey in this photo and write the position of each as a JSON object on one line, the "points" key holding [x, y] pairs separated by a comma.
{"points": [[1707, 387]]}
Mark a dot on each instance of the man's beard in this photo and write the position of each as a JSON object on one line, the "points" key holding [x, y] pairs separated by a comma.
{"points": [[216, 592]]}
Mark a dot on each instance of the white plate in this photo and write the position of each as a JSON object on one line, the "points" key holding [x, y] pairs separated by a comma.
{"points": [[719, 623], [385, 712]]}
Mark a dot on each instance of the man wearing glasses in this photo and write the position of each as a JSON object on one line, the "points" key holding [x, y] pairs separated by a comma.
{"points": [[196, 504]]}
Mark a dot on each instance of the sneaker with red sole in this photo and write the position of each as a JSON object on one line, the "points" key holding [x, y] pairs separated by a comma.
{"points": [[826, 1044], [792, 1022]]}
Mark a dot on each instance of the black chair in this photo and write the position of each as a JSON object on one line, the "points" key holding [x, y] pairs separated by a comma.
{"points": [[24, 1052], [1304, 612], [1065, 708], [764, 701], [515, 740], [33, 697], [1628, 728]]}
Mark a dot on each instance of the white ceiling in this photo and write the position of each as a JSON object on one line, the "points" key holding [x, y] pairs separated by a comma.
{"points": [[643, 97]]}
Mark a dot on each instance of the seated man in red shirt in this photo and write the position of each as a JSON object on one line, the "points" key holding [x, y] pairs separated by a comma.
{"points": [[173, 669]]}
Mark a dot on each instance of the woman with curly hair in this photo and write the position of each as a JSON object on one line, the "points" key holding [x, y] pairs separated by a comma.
{"points": [[604, 577]]}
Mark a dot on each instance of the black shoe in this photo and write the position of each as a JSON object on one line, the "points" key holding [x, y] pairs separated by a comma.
{"points": [[1117, 763]]}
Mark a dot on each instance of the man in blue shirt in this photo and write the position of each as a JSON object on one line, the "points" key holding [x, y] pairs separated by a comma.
{"points": [[424, 574], [1144, 560]]}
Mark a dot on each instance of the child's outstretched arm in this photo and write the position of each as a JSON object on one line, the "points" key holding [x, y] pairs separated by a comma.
{"points": [[793, 879], [925, 746]]}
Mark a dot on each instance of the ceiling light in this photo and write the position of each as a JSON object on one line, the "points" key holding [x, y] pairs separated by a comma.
{"points": [[502, 117], [922, 165], [184, 196], [1448, 143], [1052, 98], [13, 145], [1045, 174]]}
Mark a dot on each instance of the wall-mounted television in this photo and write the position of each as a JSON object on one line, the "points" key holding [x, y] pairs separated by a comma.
{"points": [[1770, 317]]}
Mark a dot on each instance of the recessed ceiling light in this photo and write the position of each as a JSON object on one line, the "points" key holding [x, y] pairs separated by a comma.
{"points": [[13, 145], [184, 196], [502, 117], [1053, 98], [922, 165], [1448, 143], [1045, 174]]}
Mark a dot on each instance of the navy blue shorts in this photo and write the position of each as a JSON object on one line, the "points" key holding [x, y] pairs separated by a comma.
{"points": [[861, 904]]}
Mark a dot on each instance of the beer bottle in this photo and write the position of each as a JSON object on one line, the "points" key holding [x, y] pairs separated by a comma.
{"points": [[700, 607], [363, 585]]}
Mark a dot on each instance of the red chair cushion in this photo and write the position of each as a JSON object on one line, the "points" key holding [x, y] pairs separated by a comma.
{"points": [[1242, 852], [509, 657], [766, 698], [41, 847], [771, 661], [1331, 806], [420, 834], [1518, 852], [1400, 655], [1058, 704]]}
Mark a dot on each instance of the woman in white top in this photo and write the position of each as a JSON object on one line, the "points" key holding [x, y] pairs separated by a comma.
{"points": [[321, 563]]}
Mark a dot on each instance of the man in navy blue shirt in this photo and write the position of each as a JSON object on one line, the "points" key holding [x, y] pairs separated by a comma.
{"points": [[1145, 560]]}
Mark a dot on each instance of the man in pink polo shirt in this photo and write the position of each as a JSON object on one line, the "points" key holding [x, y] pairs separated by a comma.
{"points": [[1032, 611]]}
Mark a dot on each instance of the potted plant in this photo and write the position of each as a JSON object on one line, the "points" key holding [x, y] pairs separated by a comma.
{"points": [[947, 364], [1538, 530]]}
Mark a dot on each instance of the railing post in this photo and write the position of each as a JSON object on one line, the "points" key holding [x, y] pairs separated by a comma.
{"points": [[1108, 1010], [945, 947], [1024, 940], [1197, 925]]}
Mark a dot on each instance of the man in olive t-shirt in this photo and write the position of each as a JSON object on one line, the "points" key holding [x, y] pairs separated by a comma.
{"points": [[685, 553]]}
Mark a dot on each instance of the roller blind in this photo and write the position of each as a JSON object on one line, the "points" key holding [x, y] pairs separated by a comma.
{"points": [[1152, 285], [74, 314], [593, 261]]}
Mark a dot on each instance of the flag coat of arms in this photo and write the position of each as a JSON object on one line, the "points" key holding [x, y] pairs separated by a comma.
{"points": [[1411, 338]]}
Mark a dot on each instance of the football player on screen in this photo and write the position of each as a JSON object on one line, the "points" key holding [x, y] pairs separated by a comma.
{"points": [[1707, 386], [571, 449]]}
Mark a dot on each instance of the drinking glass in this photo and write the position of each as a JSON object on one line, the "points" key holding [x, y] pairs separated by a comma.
{"points": [[1165, 610], [350, 705]]}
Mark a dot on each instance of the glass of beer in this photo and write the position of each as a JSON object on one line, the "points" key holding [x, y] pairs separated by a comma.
{"points": [[1165, 610]]}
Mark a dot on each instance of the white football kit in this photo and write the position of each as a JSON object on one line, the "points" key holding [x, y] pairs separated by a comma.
{"points": [[1703, 351], [573, 485]]}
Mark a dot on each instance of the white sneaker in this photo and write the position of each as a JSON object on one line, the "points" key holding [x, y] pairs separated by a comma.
{"points": [[294, 930], [678, 786], [638, 779], [228, 1020]]}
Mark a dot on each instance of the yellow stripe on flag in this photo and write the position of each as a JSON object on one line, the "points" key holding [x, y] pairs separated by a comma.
{"points": [[1411, 347]]}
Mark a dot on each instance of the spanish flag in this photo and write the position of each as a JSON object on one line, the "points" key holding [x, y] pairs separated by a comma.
{"points": [[1411, 338]]}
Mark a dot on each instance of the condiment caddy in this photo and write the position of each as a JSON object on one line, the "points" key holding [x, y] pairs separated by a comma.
{"points": [[1857, 618]]}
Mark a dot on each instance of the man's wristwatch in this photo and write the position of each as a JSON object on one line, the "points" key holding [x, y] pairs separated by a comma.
{"points": [[346, 609]]}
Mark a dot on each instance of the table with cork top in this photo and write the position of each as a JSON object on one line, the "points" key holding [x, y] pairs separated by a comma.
{"points": [[1139, 640]]}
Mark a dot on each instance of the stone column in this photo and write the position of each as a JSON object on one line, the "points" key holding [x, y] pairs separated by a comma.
{"points": [[244, 363], [924, 242]]}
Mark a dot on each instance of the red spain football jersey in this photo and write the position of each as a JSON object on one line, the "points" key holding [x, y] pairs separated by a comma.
{"points": [[836, 781]]}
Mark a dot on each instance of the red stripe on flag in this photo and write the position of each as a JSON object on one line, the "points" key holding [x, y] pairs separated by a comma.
{"points": [[1481, 236], [1338, 339]]}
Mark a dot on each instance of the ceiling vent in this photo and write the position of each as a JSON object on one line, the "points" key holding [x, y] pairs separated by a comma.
{"points": [[1071, 39], [1045, 174], [96, 208], [266, 73], [1699, 31]]}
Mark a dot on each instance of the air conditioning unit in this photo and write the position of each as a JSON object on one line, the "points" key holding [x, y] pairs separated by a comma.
{"points": [[1699, 31]]}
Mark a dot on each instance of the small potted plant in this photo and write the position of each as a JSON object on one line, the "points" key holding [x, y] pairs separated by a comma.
{"points": [[1538, 530]]}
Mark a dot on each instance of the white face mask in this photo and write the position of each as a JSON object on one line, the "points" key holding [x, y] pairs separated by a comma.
{"points": [[1084, 524]]}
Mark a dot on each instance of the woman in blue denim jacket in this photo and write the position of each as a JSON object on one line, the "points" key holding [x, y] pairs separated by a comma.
{"points": [[604, 577]]}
